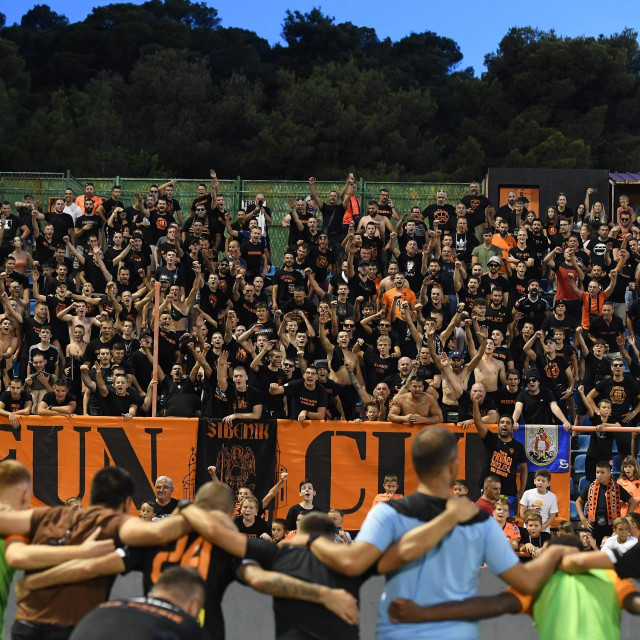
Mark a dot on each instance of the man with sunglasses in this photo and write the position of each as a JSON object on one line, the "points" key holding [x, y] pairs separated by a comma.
{"points": [[537, 405], [625, 402]]}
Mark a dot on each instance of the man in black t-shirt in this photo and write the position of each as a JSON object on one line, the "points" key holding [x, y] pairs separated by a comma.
{"points": [[504, 456], [120, 399], [236, 401], [536, 405], [15, 402], [294, 619], [169, 611], [625, 402], [165, 504], [62, 222], [306, 398], [57, 402]]}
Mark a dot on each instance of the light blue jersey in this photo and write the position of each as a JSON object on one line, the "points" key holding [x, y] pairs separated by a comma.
{"points": [[448, 572]]}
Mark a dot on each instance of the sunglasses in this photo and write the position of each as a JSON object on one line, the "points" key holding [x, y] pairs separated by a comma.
{"points": [[530, 380], [617, 364]]}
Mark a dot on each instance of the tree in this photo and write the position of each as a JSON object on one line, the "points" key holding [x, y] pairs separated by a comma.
{"points": [[42, 18]]}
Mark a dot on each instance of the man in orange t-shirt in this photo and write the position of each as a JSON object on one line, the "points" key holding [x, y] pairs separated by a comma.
{"points": [[505, 241], [393, 298], [89, 192], [592, 298]]}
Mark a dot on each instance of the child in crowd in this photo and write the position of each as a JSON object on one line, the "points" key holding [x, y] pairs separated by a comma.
{"points": [[390, 486], [533, 538], [278, 529], [621, 540], [342, 536], [248, 522], [460, 488], [308, 493], [147, 510], [630, 480], [510, 530], [540, 499], [292, 533], [587, 541], [565, 527]]}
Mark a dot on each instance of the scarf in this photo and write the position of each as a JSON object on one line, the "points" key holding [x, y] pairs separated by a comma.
{"points": [[613, 500]]}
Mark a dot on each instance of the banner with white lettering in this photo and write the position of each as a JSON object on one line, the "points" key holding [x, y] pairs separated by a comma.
{"points": [[547, 447], [244, 453]]}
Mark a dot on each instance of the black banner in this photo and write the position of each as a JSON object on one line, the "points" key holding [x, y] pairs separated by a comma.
{"points": [[244, 453]]}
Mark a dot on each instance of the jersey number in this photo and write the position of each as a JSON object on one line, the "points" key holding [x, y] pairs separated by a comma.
{"points": [[197, 555]]}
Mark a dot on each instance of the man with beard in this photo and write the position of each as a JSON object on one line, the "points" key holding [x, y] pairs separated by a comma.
{"points": [[534, 308], [504, 455]]}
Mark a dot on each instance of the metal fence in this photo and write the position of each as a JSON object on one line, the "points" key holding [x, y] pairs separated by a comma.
{"points": [[46, 186]]}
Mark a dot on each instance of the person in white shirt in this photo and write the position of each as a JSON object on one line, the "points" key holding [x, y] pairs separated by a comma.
{"points": [[621, 540], [541, 499], [70, 205]]}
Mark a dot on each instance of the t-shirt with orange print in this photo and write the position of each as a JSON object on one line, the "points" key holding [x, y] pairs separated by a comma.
{"points": [[632, 487], [97, 201], [407, 295]]}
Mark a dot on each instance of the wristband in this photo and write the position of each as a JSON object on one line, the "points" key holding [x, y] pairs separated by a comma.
{"points": [[182, 504]]}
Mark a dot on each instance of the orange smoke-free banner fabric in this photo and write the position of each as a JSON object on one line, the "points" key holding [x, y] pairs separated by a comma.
{"points": [[347, 463], [64, 454]]}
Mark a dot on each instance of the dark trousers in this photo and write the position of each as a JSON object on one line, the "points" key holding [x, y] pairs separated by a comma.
{"points": [[599, 531], [347, 396], [22, 630]]}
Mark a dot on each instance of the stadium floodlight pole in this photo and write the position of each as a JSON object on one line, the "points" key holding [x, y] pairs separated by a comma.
{"points": [[156, 338]]}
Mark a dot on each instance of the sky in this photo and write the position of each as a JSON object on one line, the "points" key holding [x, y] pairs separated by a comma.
{"points": [[476, 28]]}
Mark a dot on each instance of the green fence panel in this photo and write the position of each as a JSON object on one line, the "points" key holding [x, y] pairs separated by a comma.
{"points": [[42, 186], [410, 194], [238, 194]]}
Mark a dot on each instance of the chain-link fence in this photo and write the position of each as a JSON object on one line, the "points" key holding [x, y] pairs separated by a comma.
{"points": [[238, 194]]}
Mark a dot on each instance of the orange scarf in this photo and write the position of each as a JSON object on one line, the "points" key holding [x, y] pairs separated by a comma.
{"points": [[613, 500]]}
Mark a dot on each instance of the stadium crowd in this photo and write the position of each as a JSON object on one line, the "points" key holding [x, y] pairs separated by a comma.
{"points": [[459, 312]]}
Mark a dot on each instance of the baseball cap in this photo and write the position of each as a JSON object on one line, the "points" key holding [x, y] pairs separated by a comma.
{"points": [[494, 259], [363, 262], [532, 373], [164, 278], [145, 332], [456, 354], [321, 364], [563, 302]]}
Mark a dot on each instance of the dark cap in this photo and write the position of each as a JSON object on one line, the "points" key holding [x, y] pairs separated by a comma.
{"points": [[532, 373], [321, 364], [456, 354], [145, 332], [563, 302], [364, 263], [137, 234], [164, 278]]}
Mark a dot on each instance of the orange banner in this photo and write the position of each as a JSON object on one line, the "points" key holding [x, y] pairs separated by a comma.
{"points": [[65, 453], [347, 463]]}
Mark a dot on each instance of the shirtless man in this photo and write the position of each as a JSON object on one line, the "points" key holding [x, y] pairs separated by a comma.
{"points": [[383, 224], [490, 370], [8, 341], [80, 318], [415, 407], [461, 371], [337, 356]]}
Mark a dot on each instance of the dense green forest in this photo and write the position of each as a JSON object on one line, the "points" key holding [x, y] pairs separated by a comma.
{"points": [[162, 89]]}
